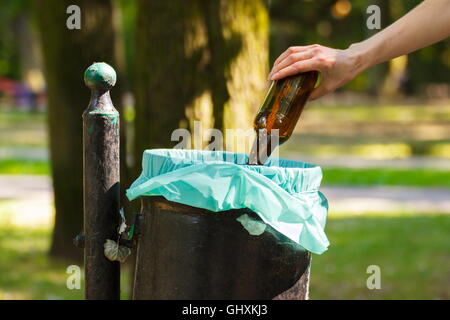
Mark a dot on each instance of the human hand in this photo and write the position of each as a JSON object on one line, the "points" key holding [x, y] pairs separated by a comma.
{"points": [[337, 67]]}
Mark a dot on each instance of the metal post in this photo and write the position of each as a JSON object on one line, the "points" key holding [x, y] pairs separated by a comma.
{"points": [[101, 183]]}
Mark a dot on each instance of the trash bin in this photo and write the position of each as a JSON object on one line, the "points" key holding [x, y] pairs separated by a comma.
{"points": [[216, 228]]}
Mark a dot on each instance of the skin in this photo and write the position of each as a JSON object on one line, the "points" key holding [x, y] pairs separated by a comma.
{"points": [[426, 24]]}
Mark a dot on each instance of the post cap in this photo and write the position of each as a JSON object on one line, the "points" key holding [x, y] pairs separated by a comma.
{"points": [[100, 76]]}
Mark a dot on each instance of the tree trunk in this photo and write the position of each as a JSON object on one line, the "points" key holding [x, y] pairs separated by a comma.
{"points": [[163, 71], [377, 73], [163, 77], [197, 60], [238, 44], [67, 54]]}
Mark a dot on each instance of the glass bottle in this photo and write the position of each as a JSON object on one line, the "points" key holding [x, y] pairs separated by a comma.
{"points": [[281, 109]]}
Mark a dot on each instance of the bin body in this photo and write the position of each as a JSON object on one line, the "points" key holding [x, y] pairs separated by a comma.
{"points": [[191, 253]]}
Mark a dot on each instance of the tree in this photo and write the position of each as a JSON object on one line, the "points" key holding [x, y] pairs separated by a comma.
{"points": [[238, 45], [66, 54], [197, 60], [377, 74]]}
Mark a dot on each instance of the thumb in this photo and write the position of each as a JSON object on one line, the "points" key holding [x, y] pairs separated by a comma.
{"points": [[318, 92]]}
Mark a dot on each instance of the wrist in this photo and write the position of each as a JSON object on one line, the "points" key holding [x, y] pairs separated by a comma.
{"points": [[360, 57]]}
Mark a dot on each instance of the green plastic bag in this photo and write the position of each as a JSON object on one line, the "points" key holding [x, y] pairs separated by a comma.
{"points": [[284, 193]]}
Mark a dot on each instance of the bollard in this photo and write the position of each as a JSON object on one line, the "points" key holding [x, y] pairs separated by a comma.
{"points": [[101, 184]]}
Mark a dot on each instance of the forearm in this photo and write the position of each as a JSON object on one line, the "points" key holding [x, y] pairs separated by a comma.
{"points": [[428, 23]]}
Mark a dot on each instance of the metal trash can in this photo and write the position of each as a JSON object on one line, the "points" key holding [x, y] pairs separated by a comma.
{"points": [[216, 228], [191, 253]]}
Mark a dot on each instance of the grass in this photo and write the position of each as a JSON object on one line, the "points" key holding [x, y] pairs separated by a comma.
{"points": [[19, 117], [331, 176], [412, 251], [372, 131], [26, 271], [386, 177], [379, 113], [23, 128], [20, 166]]}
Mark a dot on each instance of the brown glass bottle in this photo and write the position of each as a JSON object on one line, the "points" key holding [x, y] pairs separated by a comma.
{"points": [[281, 109]]}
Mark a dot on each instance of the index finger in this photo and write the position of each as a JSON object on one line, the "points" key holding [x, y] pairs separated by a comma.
{"points": [[291, 59], [288, 52], [296, 68]]}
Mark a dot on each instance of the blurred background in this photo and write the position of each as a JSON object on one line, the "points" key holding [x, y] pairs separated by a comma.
{"points": [[383, 140]]}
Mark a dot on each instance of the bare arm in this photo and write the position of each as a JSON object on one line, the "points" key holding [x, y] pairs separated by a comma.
{"points": [[426, 24]]}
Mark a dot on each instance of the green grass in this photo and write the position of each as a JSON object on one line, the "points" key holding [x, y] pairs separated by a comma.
{"points": [[19, 166], [331, 176], [26, 271], [365, 131], [23, 129], [379, 113], [386, 177], [412, 251], [18, 117]]}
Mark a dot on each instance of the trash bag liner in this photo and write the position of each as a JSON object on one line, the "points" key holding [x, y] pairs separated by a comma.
{"points": [[284, 193]]}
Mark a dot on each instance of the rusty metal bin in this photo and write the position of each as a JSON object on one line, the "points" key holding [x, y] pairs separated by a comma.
{"points": [[190, 253]]}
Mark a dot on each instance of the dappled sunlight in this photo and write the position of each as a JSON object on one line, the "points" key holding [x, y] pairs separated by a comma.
{"points": [[376, 131], [27, 272], [383, 151], [19, 128], [358, 93], [411, 249], [441, 150], [31, 213], [12, 295], [373, 132], [380, 200], [369, 151], [376, 113]]}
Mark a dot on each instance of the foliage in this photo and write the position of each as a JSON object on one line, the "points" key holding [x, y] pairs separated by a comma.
{"points": [[292, 23], [10, 12], [307, 22]]}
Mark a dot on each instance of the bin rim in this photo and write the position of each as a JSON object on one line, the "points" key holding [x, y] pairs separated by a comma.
{"points": [[208, 156], [284, 193], [292, 175]]}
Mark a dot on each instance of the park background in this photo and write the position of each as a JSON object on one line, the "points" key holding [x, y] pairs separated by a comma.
{"points": [[383, 140]]}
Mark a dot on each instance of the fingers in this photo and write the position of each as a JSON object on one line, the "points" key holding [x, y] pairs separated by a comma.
{"points": [[289, 51], [290, 59], [295, 68], [318, 92]]}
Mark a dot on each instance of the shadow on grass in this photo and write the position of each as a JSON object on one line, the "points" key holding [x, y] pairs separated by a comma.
{"points": [[413, 252], [26, 272]]}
